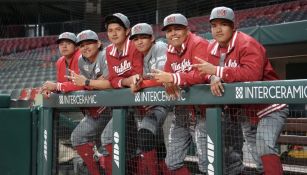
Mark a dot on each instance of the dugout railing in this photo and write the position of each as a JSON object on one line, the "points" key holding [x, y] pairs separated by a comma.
{"points": [[289, 92]]}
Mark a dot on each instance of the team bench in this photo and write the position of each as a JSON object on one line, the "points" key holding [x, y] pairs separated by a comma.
{"points": [[292, 128]]}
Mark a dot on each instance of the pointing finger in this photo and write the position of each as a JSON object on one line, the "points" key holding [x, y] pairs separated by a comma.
{"points": [[200, 60]]}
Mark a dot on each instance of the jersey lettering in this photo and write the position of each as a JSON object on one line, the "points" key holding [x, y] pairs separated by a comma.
{"points": [[122, 68], [231, 63], [185, 65]]}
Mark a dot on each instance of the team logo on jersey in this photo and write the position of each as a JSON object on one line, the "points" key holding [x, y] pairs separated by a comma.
{"points": [[122, 68], [158, 63], [221, 13], [185, 65], [231, 63], [97, 69], [86, 68]]}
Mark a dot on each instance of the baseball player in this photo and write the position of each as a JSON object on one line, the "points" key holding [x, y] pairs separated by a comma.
{"points": [[183, 47], [93, 75], [125, 65], [150, 133], [69, 60], [245, 60]]}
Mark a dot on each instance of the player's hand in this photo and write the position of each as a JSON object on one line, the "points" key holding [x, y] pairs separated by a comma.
{"points": [[172, 90], [204, 67], [161, 76], [134, 88], [101, 78], [77, 79], [216, 86], [132, 80], [46, 93], [49, 85], [136, 85]]}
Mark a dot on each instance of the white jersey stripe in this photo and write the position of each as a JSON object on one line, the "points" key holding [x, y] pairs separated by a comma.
{"points": [[272, 110], [178, 79]]}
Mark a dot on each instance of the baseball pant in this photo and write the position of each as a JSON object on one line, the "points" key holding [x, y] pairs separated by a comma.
{"points": [[233, 144], [183, 131], [89, 128], [261, 139]]}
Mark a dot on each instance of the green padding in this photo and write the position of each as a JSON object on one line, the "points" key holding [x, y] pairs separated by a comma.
{"points": [[284, 33], [4, 101], [15, 135]]}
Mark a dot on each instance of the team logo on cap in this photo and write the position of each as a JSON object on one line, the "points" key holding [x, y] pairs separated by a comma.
{"points": [[137, 29], [171, 19], [221, 13], [65, 35], [83, 36]]}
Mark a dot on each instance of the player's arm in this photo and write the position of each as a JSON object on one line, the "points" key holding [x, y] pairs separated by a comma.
{"points": [[81, 81], [137, 71], [194, 76], [101, 83], [250, 69]]}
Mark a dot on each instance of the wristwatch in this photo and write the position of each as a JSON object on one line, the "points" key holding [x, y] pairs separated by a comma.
{"points": [[87, 82]]}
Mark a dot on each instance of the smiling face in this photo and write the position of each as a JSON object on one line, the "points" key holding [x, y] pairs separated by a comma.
{"points": [[143, 43], [67, 48], [222, 31], [89, 49], [117, 34], [176, 35]]}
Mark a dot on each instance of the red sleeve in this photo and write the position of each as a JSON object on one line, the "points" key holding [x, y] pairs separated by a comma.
{"points": [[252, 58], [149, 83], [63, 84], [137, 63], [193, 77], [68, 87], [113, 78], [137, 68], [58, 74], [168, 63], [190, 78]]}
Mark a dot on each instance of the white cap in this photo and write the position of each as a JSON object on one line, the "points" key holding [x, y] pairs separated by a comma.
{"points": [[175, 18], [222, 13], [123, 18], [68, 36], [141, 29], [87, 35]]}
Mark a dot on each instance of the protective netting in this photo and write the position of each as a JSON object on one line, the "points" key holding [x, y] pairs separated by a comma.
{"points": [[46, 17], [255, 139], [158, 142]]}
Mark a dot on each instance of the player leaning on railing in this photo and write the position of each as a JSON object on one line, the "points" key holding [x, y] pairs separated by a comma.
{"points": [[93, 75], [125, 65], [149, 130], [245, 60], [67, 43], [183, 47]]}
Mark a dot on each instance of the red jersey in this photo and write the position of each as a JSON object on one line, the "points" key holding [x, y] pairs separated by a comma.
{"points": [[63, 84], [180, 62], [245, 60], [123, 65]]}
